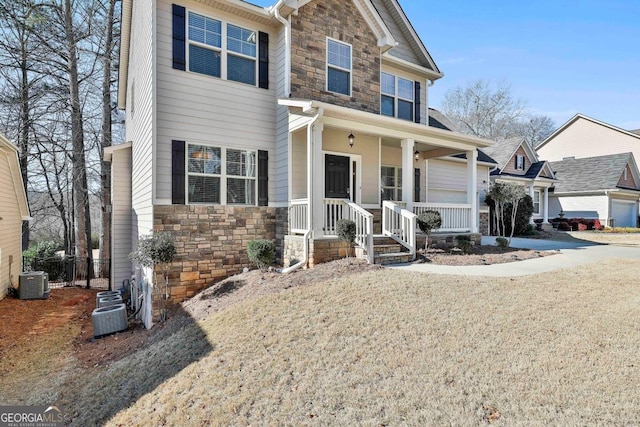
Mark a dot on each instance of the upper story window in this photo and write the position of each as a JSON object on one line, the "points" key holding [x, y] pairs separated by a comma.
{"points": [[222, 50], [519, 162], [397, 96], [338, 67], [391, 178], [218, 175]]}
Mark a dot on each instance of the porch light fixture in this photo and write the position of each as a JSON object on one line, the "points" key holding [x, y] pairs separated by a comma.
{"points": [[417, 155], [351, 139]]}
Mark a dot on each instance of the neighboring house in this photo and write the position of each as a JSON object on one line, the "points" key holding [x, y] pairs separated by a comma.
{"points": [[604, 187], [519, 164], [583, 136], [245, 122], [13, 210]]}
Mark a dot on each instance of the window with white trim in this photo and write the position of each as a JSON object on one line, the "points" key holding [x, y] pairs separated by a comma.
{"points": [[212, 44], [391, 179], [397, 96], [536, 202], [218, 175], [338, 67]]}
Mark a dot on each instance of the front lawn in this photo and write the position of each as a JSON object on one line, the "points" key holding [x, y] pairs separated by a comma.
{"points": [[386, 347]]}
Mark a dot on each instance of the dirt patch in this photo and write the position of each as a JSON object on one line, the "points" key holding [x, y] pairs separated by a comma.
{"points": [[479, 255]]}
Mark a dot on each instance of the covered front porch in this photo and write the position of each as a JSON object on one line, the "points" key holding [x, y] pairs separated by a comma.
{"points": [[372, 169]]}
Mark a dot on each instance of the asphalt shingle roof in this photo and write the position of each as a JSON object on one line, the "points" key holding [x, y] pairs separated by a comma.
{"points": [[440, 121], [589, 174], [502, 151], [482, 157]]}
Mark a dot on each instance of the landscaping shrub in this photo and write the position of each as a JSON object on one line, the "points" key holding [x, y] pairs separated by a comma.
{"points": [[95, 241], [157, 248], [428, 221], [43, 257], [564, 226], [262, 253], [531, 231], [464, 244], [346, 230], [523, 216], [501, 242]]}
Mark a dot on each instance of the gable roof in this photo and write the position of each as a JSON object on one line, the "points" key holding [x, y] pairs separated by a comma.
{"points": [[408, 32], [503, 151], [634, 133], [11, 151], [440, 121], [592, 173]]}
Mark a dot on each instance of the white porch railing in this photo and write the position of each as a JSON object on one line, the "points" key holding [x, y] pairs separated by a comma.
{"points": [[336, 209], [399, 224], [455, 217], [298, 214]]}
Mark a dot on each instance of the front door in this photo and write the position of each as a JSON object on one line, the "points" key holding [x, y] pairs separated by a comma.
{"points": [[337, 177]]}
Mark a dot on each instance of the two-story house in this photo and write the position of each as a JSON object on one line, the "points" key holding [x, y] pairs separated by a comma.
{"points": [[245, 122]]}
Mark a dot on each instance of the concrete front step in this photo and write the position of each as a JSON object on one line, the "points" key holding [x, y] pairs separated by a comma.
{"points": [[392, 258]]}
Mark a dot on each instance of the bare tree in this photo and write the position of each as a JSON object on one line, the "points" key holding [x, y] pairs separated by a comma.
{"points": [[489, 110]]}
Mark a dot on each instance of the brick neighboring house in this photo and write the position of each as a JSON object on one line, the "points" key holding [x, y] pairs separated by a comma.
{"points": [[245, 122]]}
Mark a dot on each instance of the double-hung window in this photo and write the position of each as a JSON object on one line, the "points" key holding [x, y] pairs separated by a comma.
{"points": [[338, 67], [213, 43], [519, 162], [397, 96], [391, 179], [218, 175], [536, 202]]}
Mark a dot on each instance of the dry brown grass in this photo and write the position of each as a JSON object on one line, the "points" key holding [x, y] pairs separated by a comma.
{"points": [[609, 237], [394, 348]]}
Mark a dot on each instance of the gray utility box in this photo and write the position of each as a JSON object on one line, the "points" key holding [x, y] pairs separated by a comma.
{"points": [[33, 285]]}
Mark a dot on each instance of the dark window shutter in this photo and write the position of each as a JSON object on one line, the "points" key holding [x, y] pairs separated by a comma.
{"points": [[418, 102], [177, 172], [416, 185], [263, 56], [263, 178], [179, 38]]}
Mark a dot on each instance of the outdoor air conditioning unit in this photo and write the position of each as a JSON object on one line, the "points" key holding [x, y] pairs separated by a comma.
{"points": [[110, 319], [33, 285]]}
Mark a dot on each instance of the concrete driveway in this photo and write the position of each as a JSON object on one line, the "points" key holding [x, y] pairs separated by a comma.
{"points": [[570, 254]]}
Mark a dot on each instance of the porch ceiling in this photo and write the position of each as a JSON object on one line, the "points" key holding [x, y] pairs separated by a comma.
{"points": [[390, 129]]}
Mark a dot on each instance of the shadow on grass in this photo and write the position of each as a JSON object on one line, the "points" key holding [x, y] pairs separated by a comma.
{"points": [[94, 396], [226, 287]]}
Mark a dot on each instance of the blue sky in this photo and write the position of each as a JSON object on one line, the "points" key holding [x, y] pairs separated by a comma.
{"points": [[561, 56]]}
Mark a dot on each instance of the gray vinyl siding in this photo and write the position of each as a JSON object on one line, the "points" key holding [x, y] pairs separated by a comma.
{"points": [[202, 109], [10, 225], [447, 181], [403, 50], [139, 125], [281, 176], [121, 216]]}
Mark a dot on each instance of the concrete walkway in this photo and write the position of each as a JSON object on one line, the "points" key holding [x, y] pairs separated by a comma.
{"points": [[570, 254]]}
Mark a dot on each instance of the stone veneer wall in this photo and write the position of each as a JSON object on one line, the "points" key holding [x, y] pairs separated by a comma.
{"points": [[320, 250], [483, 227], [211, 242], [341, 21]]}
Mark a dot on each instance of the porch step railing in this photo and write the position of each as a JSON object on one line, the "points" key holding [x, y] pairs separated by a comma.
{"points": [[399, 224], [336, 209], [298, 216], [455, 217]]}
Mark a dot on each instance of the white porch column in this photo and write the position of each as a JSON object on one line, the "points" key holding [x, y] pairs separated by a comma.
{"points": [[531, 195], [472, 185], [407, 172], [317, 179], [546, 206]]}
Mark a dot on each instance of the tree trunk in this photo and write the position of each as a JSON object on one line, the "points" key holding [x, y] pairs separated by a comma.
{"points": [[105, 243], [80, 187]]}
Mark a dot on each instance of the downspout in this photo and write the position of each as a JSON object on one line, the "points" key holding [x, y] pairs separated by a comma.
{"points": [[287, 46], [305, 239]]}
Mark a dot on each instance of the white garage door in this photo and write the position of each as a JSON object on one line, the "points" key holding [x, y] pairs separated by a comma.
{"points": [[623, 213]]}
